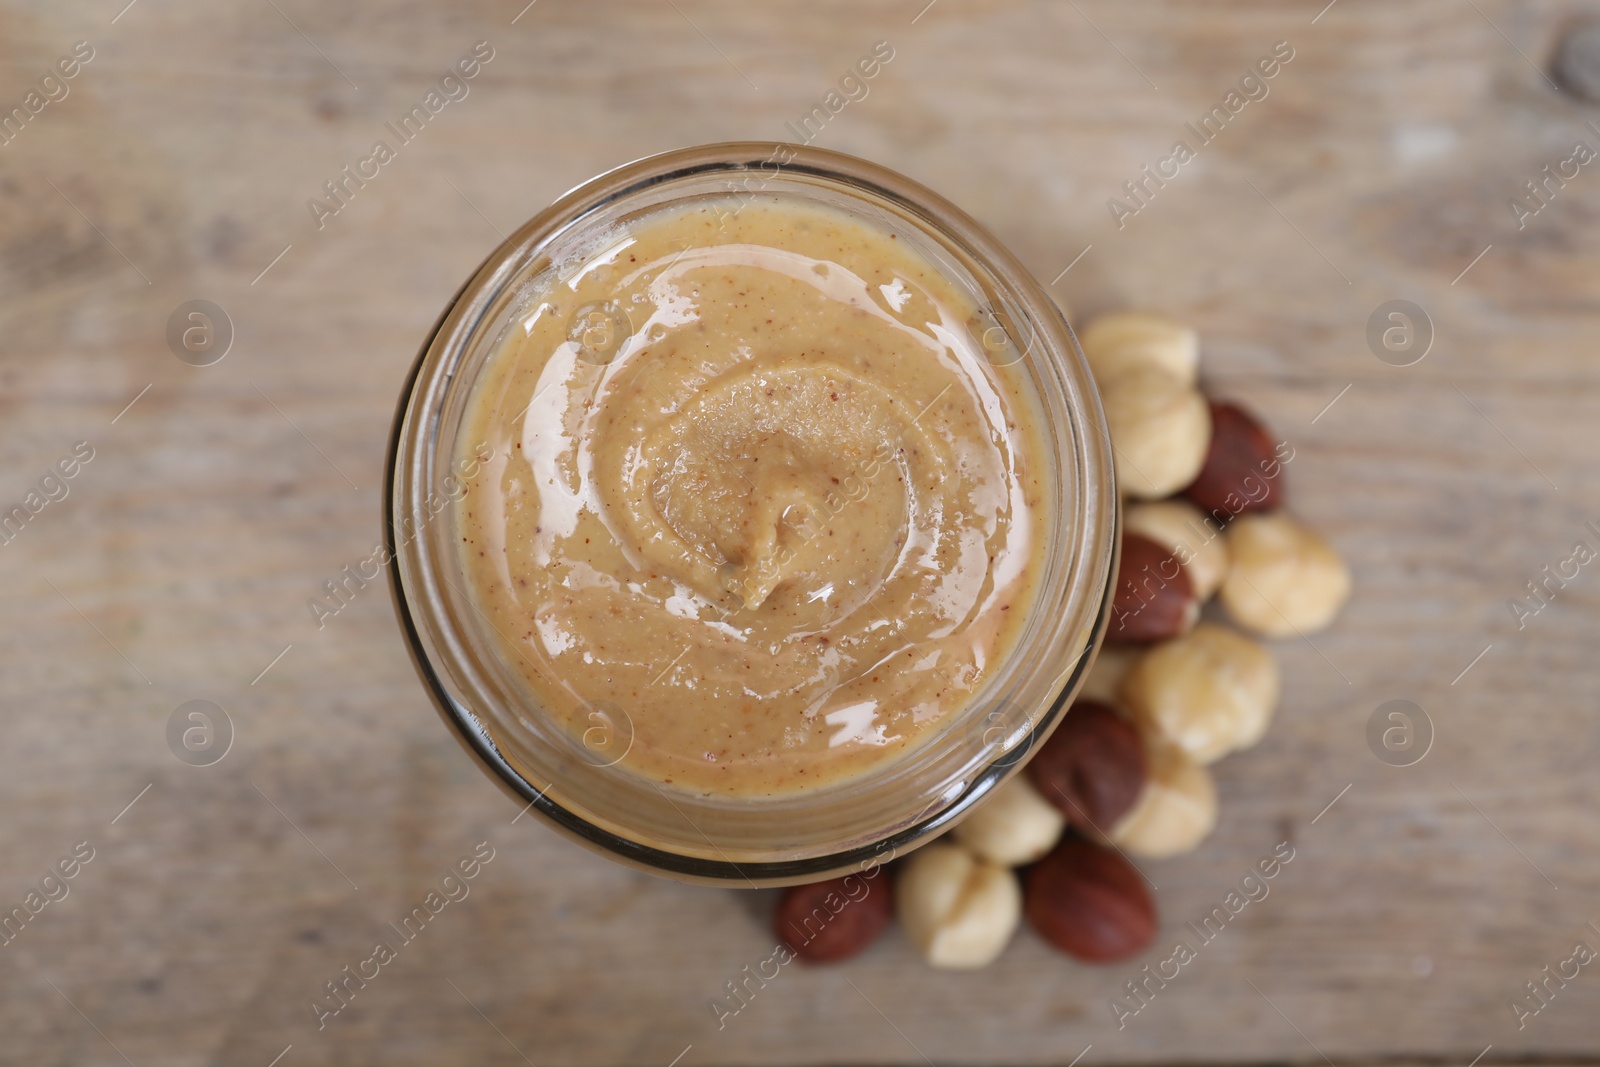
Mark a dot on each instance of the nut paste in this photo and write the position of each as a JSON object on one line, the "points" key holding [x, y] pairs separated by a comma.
{"points": [[765, 496]]}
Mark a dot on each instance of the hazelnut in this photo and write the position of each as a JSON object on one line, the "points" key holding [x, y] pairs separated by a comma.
{"points": [[1243, 468], [1160, 427], [1013, 826], [1196, 541], [1153, 599], [1577, 61], [1176, 811], [1285, 578], [1209, 692], [1089, 902], [1104, 681], [1125, 340], [958, 910], [1092, 767], [833, 920]]}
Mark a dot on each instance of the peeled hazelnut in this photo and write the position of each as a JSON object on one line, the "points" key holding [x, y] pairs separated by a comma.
{"points": [[1196, 541], [1014, 826], [1105, 675], [1153, 600], [1092, 768], [958, 910], [1285, 578], [1243, 469], [1176, 811], [833, 920], [1160, 427], [1125, 340], [1090, 903], [1209, 692]]}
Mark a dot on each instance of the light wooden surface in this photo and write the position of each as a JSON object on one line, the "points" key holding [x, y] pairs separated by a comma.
{"points": [[180, 564]]}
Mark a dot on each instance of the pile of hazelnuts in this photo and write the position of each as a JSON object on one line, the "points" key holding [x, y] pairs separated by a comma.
{"points": [[1127, 771]]}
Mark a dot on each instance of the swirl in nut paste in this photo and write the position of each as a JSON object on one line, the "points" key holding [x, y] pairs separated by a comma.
{"points": [[759, 490]]}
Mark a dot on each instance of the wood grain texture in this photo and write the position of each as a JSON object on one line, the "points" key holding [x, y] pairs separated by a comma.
{"points": [[179, 566]]}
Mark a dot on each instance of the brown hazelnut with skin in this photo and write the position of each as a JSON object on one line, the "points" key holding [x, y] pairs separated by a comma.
{"points": [[1092, 767], [1089, 902], [1243, 467], [833, 920], [1154, 599], [1196, 541]]}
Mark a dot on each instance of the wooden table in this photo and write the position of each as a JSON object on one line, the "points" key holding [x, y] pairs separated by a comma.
{"points": [[179, 565]]}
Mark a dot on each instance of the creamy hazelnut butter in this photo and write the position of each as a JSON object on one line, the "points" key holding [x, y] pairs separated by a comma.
{"points": [[766, 496]]}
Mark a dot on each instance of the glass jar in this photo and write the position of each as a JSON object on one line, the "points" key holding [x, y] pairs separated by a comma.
{"points": [[803, 836]]}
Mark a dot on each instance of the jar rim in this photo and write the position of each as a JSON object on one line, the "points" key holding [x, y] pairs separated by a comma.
{"points": [[415, 444]]}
